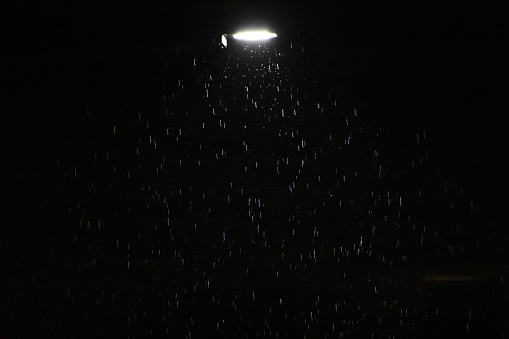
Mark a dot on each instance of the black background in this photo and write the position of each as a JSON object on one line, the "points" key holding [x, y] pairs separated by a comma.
{"points": [[430, 64], [425, 65]]}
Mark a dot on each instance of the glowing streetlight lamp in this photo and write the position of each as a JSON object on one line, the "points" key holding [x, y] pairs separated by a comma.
{"points": [[254, 35]]}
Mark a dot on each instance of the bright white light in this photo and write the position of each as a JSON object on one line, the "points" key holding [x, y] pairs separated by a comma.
{"points": [[254, 35], [223, 40]]}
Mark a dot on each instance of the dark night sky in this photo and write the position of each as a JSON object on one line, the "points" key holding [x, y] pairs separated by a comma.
{"points": [[71, 71], [449, 54], [426, 64]]}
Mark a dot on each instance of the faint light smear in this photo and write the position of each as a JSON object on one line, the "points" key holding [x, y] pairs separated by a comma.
{"points": [[254, 35]]}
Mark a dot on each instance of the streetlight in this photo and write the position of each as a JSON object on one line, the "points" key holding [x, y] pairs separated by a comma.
{"points": [[258, 36], [254, 35]]}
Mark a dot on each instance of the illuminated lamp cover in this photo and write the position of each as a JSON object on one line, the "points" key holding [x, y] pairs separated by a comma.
{"points": [[254, 35]]}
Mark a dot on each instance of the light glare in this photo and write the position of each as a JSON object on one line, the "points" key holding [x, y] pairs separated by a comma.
{"points": [[254, 35]]}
